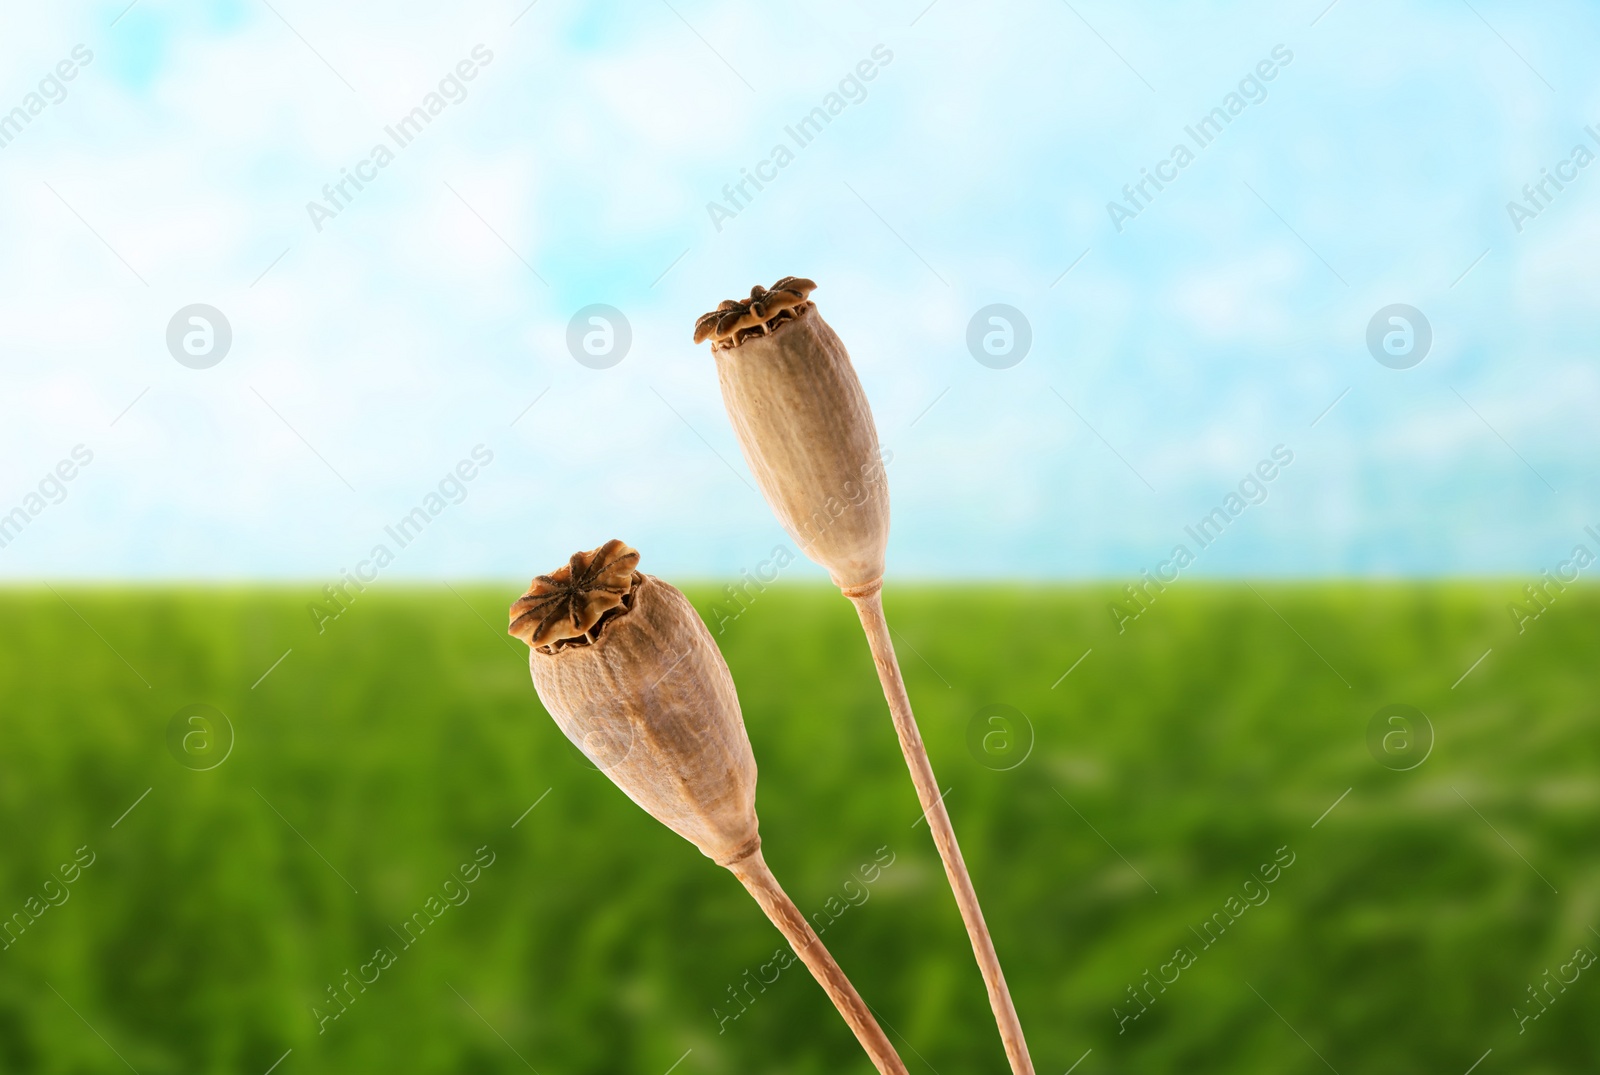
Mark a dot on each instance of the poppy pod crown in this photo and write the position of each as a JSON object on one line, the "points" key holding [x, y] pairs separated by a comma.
{"points": [[804, 426]]}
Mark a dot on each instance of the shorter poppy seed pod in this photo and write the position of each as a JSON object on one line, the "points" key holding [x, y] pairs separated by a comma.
{"points": [[804, 426], [631, 675]]}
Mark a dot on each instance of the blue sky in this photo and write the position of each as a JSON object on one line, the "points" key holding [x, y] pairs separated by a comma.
{"points": [[975, 167]]}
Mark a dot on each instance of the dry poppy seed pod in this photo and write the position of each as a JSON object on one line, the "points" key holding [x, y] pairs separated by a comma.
{"points": [[807, 433], [629, 672], [804, 426], [631, 675]]}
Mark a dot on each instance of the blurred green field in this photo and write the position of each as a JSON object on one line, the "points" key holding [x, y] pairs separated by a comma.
{"points": [[1168, 767]]}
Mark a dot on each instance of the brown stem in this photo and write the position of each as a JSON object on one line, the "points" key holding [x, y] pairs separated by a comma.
{"points": [[753, 872], [869, 606]]}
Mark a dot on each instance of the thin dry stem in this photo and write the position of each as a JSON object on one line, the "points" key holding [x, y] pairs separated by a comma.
{"points": [[869, 606], [753, 873]]}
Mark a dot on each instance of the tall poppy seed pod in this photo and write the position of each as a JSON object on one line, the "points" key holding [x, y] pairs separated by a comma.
{"points": [[632, 676], [804, 426], [807, 433]]}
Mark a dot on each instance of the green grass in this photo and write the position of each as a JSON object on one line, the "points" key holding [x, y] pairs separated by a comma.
{"points": [[1168, 766]]}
